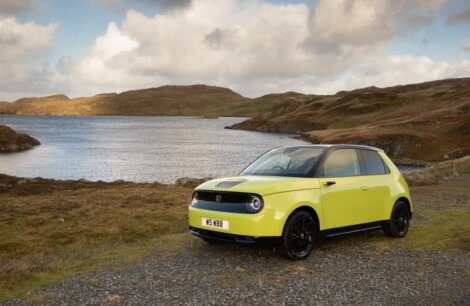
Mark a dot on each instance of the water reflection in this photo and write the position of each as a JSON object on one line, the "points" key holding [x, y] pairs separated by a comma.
{"points": [[141, 149]]}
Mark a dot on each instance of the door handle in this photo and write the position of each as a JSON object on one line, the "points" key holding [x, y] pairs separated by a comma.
{"points": [[364, 187], [329, 183]]}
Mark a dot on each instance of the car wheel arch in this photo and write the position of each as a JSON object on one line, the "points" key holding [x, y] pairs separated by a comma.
{"points": [[406, 201], [308, 209]]}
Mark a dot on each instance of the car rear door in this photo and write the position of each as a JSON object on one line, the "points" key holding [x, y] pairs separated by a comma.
{"points": [[376, 186], [343, 199]]}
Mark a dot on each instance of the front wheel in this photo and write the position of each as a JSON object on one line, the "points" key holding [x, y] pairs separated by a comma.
{"points": [[399, 222], [299, 236]]}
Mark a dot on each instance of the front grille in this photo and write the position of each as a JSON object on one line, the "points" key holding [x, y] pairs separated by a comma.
{"points": [[226, 197], [234, 202]]}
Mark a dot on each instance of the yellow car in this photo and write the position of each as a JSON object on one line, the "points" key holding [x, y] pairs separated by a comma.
{"points": [[298, 194]]}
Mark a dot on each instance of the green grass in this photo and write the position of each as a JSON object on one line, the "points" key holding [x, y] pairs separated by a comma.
{"points": [[434, 174], [446, 230]]}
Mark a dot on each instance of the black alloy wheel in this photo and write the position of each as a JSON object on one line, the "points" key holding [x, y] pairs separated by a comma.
{"points": [[299, 236], [399, 222]]}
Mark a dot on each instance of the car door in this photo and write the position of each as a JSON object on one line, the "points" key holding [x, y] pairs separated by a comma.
{"points": [[377, 186], [343, 199]]}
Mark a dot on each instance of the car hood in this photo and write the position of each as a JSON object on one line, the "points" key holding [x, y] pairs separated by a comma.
{"points": [[262, 185]]}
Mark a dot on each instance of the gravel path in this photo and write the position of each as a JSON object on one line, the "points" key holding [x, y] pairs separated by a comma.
{"points": [[340, 271]]}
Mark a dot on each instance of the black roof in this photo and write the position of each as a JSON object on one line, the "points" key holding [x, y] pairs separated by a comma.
{"points": [[338, 146]]}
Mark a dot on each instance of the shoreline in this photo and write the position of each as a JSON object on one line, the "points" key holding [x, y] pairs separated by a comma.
{"points": [[20, 180], [79, 116]]}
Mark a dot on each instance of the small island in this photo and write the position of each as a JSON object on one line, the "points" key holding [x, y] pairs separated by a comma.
{"points": [[11, 141]]}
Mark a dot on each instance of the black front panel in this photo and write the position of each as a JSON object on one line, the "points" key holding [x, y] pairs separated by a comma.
{"points": [[234, 202], [225, 197]]}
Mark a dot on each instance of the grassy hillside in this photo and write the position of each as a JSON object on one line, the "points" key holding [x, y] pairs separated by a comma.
{"points": [[427, 121], [11, 141], [195, 100]]}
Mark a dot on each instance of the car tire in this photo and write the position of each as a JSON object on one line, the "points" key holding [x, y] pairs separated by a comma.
{"points": [[299, 236], [399, 223]]}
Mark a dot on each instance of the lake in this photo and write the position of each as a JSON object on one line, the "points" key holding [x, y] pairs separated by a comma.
{"points": [[139, 149]]}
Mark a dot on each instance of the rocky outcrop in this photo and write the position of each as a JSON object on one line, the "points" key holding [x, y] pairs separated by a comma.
{"points": [[11, 141], [191, 182]]}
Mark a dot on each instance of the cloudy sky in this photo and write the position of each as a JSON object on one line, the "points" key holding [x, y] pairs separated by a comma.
{"points": [[86, 47]]}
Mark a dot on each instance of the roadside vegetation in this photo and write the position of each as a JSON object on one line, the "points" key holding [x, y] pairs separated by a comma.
{"points": [[438, 172], [52, 229]]}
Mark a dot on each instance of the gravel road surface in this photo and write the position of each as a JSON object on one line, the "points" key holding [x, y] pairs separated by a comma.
{"points": [[347, 270]]}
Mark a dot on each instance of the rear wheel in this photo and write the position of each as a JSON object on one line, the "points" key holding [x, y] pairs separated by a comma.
{"points": [[399, 222], [299, 236]]}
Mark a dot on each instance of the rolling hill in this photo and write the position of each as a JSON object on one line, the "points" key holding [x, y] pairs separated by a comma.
{"points": [[194, 100], [427, 121]]}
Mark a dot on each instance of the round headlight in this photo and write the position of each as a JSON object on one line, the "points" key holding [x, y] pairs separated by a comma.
{"points": [[194, 199], [254, 204]]}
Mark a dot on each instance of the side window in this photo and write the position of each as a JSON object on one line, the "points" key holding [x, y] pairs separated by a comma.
{"points": [[343, 162], [373, 162]]}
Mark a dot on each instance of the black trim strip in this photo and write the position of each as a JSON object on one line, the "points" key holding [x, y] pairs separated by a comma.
{"points": [[222, 206], [365, 227]]}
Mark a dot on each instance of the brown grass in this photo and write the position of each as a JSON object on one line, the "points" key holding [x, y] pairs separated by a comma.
{"points": [[438, 172], [426, 121], [50, 228]]}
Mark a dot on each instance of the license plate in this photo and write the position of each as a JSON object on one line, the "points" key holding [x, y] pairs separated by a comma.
{"points": [[223, 224]]}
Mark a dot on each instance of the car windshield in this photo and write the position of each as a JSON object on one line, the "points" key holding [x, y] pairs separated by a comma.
{"points": [[292, 161]]}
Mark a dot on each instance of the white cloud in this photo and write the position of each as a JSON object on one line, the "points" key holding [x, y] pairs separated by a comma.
{"points": [[459, 17], [251, 46], [465, 48], [99, 66], [394, 70], [164, 4], [13, 7], [21, 68], [19, 39]]}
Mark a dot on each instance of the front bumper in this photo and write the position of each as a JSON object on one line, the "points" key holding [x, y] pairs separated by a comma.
{"points": [[221, 236], [267, 223]]}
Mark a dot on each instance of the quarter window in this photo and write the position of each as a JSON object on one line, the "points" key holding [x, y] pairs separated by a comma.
{"points": [[343, 162], [373, 162]]}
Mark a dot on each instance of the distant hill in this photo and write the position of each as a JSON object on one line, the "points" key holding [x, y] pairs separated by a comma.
{"points": [[11, 141], [427, 121], [195, 100]]}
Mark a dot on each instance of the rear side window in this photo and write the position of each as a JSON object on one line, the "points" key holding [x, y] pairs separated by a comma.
{"points": [[373, 162], [343, 162]]}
